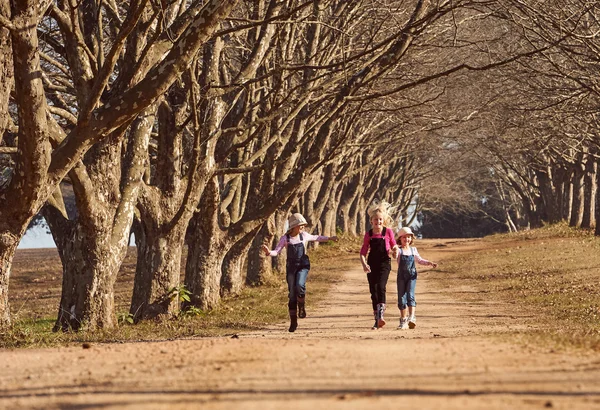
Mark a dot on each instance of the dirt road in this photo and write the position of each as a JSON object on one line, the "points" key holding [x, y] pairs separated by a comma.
{"points": [[334, 360]]}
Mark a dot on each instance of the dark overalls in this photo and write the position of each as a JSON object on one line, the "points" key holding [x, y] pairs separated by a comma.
{"points": [[296, 269], [381, 265], [406, 281]]}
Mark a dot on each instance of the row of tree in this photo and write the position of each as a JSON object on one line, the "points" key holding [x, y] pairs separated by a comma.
{"points": [[528, 130], [201, 125]]}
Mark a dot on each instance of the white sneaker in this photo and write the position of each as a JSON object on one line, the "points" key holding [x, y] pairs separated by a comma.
{"points": [[403, 323], [412, 322]]}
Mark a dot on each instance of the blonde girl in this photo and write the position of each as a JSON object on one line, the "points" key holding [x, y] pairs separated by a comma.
{"points": [[378, 244]]}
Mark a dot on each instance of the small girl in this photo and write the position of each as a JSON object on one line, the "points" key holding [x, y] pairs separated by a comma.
{"points": [[379, 242], [407, 278], [297, 265]]}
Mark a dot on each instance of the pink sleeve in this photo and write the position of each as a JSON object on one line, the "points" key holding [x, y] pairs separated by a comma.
{"points": [[392, 238], [365, 247], [418, 258], [279, 247]]}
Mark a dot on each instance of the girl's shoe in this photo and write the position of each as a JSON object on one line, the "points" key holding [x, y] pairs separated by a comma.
{"points": [[293, 321], [293, 324], [380, 311], [403, 323], [412, 322], [301, 311]]}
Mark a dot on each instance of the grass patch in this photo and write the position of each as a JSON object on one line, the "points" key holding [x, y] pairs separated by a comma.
{"points": [[548, 277], [35, 296]]}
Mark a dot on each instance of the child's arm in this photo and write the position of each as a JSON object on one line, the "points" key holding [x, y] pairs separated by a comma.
{"points": [[394, 249], [422, 261], [278, 248], [363, 254], [321, 238], [365, 265]]}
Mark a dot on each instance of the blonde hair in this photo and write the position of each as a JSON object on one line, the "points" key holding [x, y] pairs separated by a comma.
{"points": [[385, 209]]}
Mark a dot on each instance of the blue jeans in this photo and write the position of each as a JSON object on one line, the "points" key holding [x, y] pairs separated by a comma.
{"points": [[296, 280], [406, 291]]}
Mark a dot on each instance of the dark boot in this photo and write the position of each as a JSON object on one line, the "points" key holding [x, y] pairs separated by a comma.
{"points": [[293, 321], [380, 311], [375, 316], [301, 310]]}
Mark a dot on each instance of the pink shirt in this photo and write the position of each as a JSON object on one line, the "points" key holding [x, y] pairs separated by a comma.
{"points": [[390, 241], [414, 252], [294, 240]]}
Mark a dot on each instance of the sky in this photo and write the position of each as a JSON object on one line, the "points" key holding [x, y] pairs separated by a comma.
{"points": [[37, 237]]}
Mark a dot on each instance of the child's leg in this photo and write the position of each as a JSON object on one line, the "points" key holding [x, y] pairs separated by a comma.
{"points": [[412, 303], [292, 299], [381, 292], [402, 287], [402, 296], [301, 291], [372, 278]]}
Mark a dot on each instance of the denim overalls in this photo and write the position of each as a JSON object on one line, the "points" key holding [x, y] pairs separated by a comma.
{"points": [[406, 280], [296, 269], [381, 265]]}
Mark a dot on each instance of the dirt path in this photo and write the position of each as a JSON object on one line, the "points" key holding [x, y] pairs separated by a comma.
{"points": [[332, 361]]}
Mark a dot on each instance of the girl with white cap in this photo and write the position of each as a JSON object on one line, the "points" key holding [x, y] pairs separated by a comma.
{"points": [[407, 278], [297, 265]]}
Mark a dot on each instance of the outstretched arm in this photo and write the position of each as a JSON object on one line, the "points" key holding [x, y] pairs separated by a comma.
{"points": [[422, 261], [278, 248]]}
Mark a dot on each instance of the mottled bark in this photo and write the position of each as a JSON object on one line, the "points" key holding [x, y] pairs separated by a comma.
{"points": [[21, 198], [206, 251], [233, 275], [157, 273], [347, 199], [352, 228], [203, 268], [279, 262], [8, 246], [578, 194], [6, 73], [548, 203], [597, 203], [588, 219], [259, 265], [362, 217], [90, 266]]}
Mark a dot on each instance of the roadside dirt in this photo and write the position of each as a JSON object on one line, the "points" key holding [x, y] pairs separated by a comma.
{"points": [[452, 360]]}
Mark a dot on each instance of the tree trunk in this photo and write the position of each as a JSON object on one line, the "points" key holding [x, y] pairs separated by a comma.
{"points": [[589, 195], [8, 246], [548, 198], [259, 265], [232, 275], [90, 267], [597, 204], [362, 217], [577, 207], [203, 267], [567, 199], [279, 262], [158, 272], [6, 73], [206, 251]]}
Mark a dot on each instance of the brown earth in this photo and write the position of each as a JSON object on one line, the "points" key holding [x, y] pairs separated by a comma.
{"points": [[454, 359]]}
